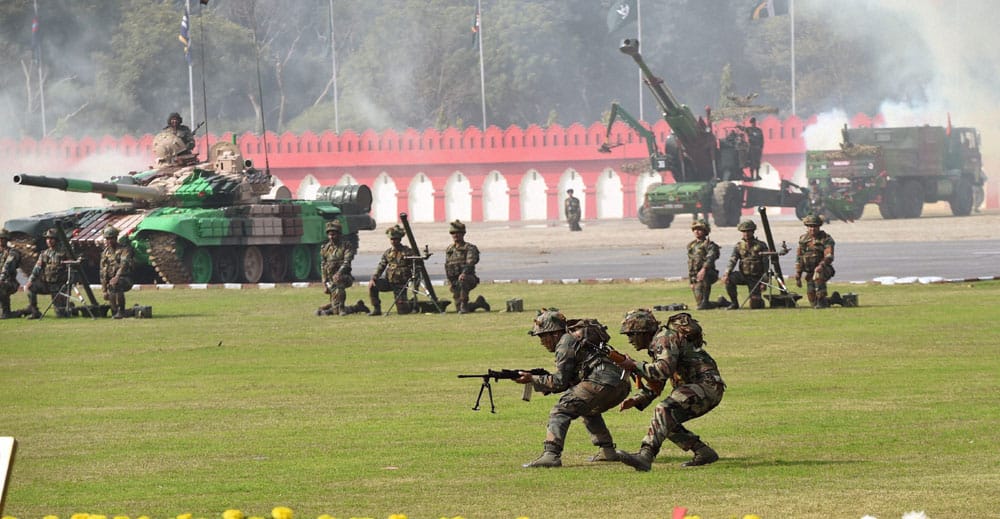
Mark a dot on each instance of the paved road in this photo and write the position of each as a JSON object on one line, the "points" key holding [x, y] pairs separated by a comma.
{"points": [[854, 262]]}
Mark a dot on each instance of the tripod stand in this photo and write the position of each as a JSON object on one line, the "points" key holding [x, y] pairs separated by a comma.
{"points": [[69, 289], [418, 285]]}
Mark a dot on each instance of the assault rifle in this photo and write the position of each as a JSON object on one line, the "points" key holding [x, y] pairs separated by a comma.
{"points": [[618, 357], [503, 374]]}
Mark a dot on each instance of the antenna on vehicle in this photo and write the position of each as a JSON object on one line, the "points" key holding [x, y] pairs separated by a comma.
{"points": [[204, 88], [260, 88]]}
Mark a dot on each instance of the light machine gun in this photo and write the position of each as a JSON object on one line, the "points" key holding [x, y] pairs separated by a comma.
{"points": [[502, 374]]}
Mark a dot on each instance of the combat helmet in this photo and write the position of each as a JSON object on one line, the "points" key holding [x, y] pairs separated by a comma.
{"points": [[701, 224], [5, 234], [456, 227], [548, 320], [110, 232], [812, 220], [334, 226], [746, 225], [395, 232], [640, 320], [51, 233]]}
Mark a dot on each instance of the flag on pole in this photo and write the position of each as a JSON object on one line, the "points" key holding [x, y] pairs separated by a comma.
{"points": [[475, 29], [36, 39], [622, 13], [183, 36], [769, 9]]}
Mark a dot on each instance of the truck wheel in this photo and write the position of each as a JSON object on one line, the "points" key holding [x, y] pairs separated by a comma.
{"points": [[891, 204], [655, 221], [913, 199], [726, 204], [962, 199]]}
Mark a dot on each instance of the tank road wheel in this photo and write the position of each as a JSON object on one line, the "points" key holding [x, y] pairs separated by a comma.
{"points": [[253, 264], [166, 253], [963, 198], [912, 197], [300, 261], [226, 264], [199, 263], [726, 204], [275, 264], [891, 205]]}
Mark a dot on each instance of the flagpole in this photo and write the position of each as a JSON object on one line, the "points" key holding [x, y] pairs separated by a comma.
{"points": [[638, 21], [187, 9], [482, 72], [333, 64], [41, 85], [791, 16]]}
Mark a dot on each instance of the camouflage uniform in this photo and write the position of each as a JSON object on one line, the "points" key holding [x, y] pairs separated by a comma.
{"points": [[460, 262], [814, 259], [676, 354], [702, 254], [755, 138], [182, 131], [571, 206], [590, 385], [749, 255], [336, 256], [398, 271], [10, 258], [48, 277], [117, 261]]}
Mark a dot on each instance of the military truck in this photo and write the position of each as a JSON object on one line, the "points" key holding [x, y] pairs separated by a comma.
{"points": [[218, 221], [710, 174], [900, 169]]}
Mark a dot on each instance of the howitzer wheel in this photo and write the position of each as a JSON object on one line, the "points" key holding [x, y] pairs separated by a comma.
{"points": [[166, 255], [727, 202]]}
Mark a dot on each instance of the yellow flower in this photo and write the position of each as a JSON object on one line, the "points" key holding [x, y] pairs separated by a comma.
{"points": [[751, 516], [9, 517], [232, 514], [121, 517], [326, 516], [184, 516], [281, 512], [51, 517], [80, 516], [397, 516], [692, 517], [142, 517], [93, 516]]}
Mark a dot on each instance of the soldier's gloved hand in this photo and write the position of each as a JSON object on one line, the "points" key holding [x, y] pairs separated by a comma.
{"points": [[628, 364], [628, 403], [524, 378]]}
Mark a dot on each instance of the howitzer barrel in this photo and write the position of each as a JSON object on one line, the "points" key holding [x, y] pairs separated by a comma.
{"points": [[678, 116], [86, 186]]}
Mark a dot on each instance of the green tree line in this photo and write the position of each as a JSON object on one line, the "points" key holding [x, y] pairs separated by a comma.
{"points": [[112, 68]]}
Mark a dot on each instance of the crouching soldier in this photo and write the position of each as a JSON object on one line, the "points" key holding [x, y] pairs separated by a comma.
{"points": [[48, 277], [117, 261], [10, 258], [397, 265], [460, 262], [336, 256]]}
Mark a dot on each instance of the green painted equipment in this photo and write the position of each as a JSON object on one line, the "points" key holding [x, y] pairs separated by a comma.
{"points": [[899, 169], [222, 221], [708, 172]]}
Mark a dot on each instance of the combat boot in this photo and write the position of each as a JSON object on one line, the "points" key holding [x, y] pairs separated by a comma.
{"points": [[703, 455], [33, 312], [811, 296], [756, 303], [548, 459], [5, 313], [606, 454], [734, 297], [376, 310], [641, 461]]}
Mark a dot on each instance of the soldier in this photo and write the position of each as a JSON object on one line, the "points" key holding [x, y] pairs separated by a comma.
{"points": [[749, 253], [755, 138], [814, 259], [677, 354], [591, 384], [397, 266], [175, 126], [117, 260], [48, 277], [702, 253], [336, 256], [460, 262], [572, 209], [10, 258]]}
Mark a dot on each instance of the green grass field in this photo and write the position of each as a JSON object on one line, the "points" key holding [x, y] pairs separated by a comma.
{"points": [[245, 399]]}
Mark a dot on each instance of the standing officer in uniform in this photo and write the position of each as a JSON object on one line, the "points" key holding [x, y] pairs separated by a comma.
{"points": [[814, 259], [117, 260], [336, 256], [591, 384], [48, 277], [755, 138], [571, 207], [398, 269], [677, 355], [460, 262], [749, 253], [702, 253], [10, 258]]}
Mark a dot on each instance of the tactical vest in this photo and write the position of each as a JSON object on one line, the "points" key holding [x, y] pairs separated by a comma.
{"points": [[811, 250], [699, 253], [333, 257], [752, 263], [398, 269], [459, 259]]}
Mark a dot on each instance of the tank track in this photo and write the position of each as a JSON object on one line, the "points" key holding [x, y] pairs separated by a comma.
{"points": [[163, 256]]}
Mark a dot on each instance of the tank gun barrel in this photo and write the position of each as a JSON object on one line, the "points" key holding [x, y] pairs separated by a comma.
{"points": [[86, 186]]}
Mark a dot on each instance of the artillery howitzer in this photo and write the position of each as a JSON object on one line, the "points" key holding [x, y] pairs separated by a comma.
{"points": [[706, 170], [219, 221]]}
